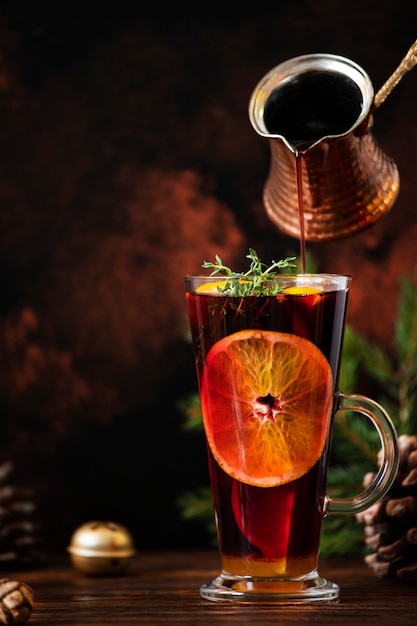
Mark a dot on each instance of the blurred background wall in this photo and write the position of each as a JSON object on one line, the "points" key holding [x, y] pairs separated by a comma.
{"points": [[126, 159]]}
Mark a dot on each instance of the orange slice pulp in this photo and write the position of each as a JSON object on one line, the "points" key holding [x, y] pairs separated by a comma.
{"points": [[266, 400], [212, 287], [302, 290]]}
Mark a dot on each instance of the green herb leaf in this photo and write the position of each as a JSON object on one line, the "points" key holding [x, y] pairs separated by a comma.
{"points": [[256, 281]]}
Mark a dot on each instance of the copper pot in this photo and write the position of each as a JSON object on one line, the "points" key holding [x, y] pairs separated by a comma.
{"points": [[319, 108]]}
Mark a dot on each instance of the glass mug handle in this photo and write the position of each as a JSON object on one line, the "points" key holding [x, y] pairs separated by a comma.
{"points": [[389, 455]]}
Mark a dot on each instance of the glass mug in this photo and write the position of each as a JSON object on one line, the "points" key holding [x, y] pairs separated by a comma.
{"points": [[267, 369]]}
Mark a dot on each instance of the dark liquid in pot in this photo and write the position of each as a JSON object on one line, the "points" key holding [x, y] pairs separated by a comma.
{"points": [[311, 106]]}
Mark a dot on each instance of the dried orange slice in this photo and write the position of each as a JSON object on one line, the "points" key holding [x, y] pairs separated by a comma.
{"points": [[266, 400]]}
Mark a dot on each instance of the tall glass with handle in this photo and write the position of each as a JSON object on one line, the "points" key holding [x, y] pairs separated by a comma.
{"points": [[267, 369]]}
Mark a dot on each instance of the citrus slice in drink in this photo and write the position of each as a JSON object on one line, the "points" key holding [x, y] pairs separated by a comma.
{"points": [[210, 287], [266, 401], [302, 290], [215, 287]]}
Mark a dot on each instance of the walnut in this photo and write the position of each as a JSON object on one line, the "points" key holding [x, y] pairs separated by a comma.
{"points": [[16, 601]]}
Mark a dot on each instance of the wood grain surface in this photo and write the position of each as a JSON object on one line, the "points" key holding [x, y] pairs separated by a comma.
{"points": [[163, 588]]}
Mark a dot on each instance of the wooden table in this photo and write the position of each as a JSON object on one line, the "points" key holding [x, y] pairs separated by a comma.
{"points": [[163, 588]]}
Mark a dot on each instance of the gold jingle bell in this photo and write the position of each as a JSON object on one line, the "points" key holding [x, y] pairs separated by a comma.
{"points": [[101, 548]]}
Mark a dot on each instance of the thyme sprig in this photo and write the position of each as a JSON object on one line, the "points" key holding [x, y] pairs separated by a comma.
{"points": [[257, 281]]}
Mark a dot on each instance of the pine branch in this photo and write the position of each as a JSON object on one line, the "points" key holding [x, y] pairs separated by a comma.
{"points": [[190, 408], [363, 357], [406, 348], [198, 506], [197, 503], [341, 536]]}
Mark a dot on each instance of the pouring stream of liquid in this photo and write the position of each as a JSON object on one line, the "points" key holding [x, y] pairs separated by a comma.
{"points": [[299, 180]]}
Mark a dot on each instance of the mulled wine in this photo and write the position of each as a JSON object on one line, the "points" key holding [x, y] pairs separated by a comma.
{"points": [[269, 531]]}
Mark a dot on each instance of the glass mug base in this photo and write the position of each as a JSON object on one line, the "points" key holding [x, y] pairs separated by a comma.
{"points": [[309, 588]]}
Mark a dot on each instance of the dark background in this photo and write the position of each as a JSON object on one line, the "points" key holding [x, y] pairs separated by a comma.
{"points": [[126, 159]]}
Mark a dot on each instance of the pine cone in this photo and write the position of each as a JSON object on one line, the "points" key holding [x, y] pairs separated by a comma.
{"points": [[391, 524], [20, 534]]}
